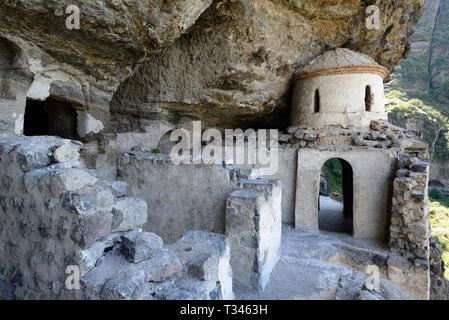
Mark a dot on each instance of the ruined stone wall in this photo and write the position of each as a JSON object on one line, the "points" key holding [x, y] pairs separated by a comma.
{"points": [[180, 197], [43, 221], [439, 285], [55, 213], [410, 226], [406, 211], [253, 226]]}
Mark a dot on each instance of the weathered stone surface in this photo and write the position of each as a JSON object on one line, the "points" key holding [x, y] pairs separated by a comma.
{"points": [[31, 152], [176, 190], [414, 145], [32, 177], [119, 188], [138, 246], [253, 225], [439, 286], [113, 36], [66, 153], [183, 288], [90, 228], [88, 258], [114, 278], [129, 213], [39, 60], [246, 79], [420, 166], [61, 181], [205, 256], [88, 199], [162, 265]]}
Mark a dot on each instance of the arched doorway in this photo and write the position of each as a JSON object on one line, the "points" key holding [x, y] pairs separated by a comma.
{"points": [[335, 203]]}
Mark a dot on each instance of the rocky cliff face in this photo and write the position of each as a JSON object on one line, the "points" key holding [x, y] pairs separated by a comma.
{"points": [[227, 62], [40, 57], [234, 67], [114, 35]]}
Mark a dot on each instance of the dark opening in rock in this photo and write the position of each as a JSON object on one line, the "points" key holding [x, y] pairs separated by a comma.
{"points": [[50, 117]]}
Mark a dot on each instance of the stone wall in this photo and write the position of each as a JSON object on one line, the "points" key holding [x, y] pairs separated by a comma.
{"points": [[341, 100], [410, 227], [439, 285], [288, 163], [50, 209], [58, 219], [174, 192], [180, 197], [253, 226], [371, 172]]}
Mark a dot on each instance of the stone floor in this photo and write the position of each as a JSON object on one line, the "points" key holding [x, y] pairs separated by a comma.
{"points": [[316, 266], [331, 218]]}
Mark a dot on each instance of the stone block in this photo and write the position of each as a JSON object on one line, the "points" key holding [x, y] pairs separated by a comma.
{"points": [[420, 166], [138, 246], [31, 178], [88, 229], [163, 264], [403, 173], [404, 183], [418, 196], [129, 213], [420, 177], [66, 180], [88, 199], [86, 259], [66, 153], [34, 152], [119, 188], [253, 226], [114, 279], [206, 257]]}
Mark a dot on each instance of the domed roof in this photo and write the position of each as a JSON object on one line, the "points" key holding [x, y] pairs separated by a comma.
{"points": [[341, 61]]}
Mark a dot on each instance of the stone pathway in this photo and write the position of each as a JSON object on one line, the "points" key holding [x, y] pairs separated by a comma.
{"points": [[315, 266], [331, 218]]}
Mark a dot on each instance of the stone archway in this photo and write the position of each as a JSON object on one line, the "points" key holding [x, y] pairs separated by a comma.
{"points": [[372, 173], [335, 209]]}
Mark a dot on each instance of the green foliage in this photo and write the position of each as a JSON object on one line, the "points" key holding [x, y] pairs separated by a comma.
{"points": [[419, 108], [435, 194], [418, 90], [443, 91], [156, 151], [439, 220], [334, 175]]}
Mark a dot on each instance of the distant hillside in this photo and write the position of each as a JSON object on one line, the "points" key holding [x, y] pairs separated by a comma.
{"points": [[417, 96]]}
